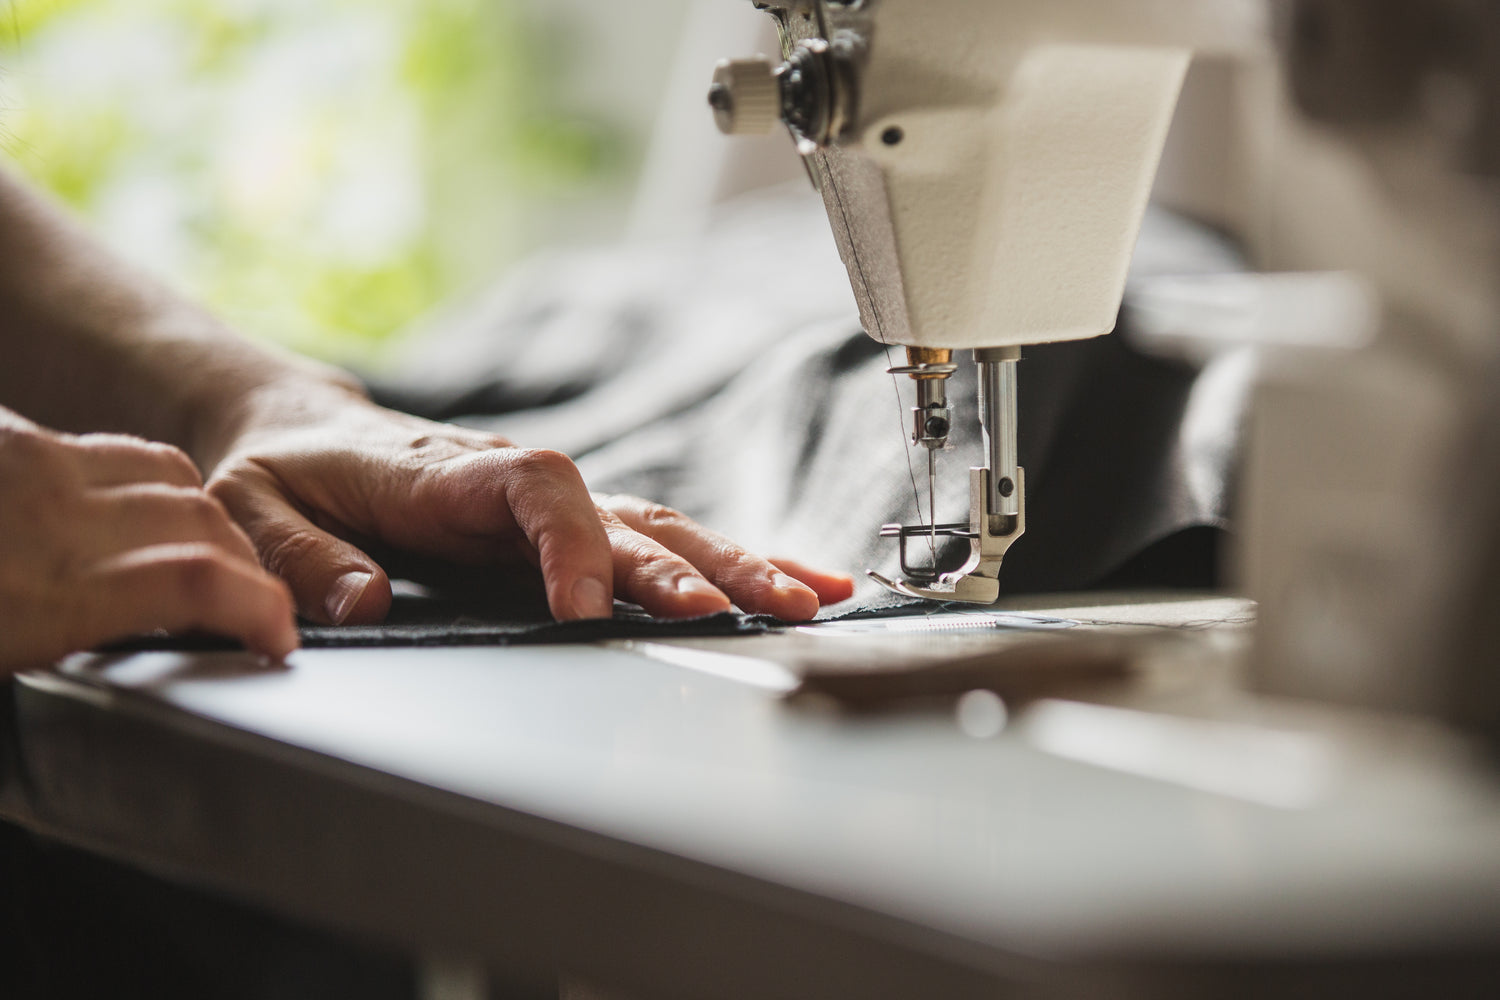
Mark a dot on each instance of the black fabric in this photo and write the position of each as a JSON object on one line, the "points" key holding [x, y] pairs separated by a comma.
{"points": [[468, 632], [727, 376], [442, 620], [436, 621], [444, 624]]}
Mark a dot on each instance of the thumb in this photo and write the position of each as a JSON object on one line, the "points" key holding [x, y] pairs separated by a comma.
{"points": [[332, 581]]}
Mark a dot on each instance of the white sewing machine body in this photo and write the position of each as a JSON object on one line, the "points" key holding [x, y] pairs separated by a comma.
{"points": [[987, 186]]}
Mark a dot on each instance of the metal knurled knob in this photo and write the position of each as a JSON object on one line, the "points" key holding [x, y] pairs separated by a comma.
{"points": [[745, 96]]}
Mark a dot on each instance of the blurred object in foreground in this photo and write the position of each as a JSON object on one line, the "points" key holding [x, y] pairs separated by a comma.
{"points": [[1369, 514]]}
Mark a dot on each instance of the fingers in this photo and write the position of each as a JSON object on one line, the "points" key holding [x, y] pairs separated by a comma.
{"points": [[332, 581], [755, 584], [186, 588], [555, 511], [543, 495], [105, 537], [831, 588], [657, 579], [115, 460], [442, 492], [145, 514]]}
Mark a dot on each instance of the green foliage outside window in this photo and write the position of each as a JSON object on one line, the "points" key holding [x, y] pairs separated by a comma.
{"points": [[319, 171]]}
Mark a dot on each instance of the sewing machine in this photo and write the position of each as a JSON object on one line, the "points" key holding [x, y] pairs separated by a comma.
{"points": [[985, 167]]}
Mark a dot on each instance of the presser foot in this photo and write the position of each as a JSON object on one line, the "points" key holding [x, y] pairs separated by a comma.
{"points": [[990, 536], [964, 590]]}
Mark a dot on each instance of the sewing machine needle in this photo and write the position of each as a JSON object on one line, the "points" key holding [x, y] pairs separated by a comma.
{"points": [[932, 498]]}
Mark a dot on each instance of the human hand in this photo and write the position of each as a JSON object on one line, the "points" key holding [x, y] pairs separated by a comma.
{"points": [[312, 476], [103, 537]]}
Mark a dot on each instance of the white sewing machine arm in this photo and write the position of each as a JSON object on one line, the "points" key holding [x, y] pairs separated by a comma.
{"points": [[985, 164]]}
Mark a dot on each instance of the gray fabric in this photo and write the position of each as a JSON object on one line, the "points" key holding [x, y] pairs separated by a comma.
{"points": [[727, 376]]}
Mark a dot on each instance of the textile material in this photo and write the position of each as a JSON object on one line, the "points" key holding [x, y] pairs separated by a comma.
{"points": [[727, 376], [445, 620], [446, 623], [468, 632]]}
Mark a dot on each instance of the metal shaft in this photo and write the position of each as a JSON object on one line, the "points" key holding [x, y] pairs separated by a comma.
{"points": [[997, 415]]}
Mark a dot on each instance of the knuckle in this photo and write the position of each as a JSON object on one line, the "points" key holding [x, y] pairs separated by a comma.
{"points": [[735, 567], [730, 557], [204, 511], [150, 461], [178, 460], [730, 552], [282, 555], [227, 485], [656, 515], [614, 527], [156, 450], [199, 576], [129, 445], [649, 561], [234, 487], [198, 502], [108, 442], [547, 463]]}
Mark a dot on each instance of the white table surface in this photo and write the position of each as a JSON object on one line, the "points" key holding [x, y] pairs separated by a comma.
{"points": [[1179, 817]]}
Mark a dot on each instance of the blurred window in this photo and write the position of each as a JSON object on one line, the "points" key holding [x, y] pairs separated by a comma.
{"points": [[319, 171]]}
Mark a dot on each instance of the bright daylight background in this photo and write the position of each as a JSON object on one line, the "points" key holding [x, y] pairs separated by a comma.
{"points": [[321, 172]]}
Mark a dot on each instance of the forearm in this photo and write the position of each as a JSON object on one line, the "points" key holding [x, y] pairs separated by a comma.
{"points": [[88, 343]]}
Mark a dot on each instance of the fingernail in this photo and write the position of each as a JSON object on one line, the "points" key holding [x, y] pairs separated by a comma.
{"points": [[345, 594], [591, 599], [696, 585], [783, 582]]}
